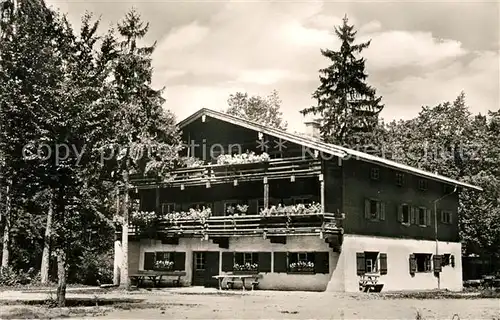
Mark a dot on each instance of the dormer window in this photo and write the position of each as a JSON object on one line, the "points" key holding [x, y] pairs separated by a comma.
{"points": [[375, 174]]}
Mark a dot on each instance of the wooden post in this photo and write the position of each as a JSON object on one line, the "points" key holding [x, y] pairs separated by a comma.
{"points": [[158, 209], [322, 192], [266, 193], [118, 245]]}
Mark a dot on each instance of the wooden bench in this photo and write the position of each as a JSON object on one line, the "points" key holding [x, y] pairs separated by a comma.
{"points": [[156, 277]]}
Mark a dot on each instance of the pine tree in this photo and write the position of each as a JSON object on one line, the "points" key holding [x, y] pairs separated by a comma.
{"points": [[147, 139], [347, 105]]}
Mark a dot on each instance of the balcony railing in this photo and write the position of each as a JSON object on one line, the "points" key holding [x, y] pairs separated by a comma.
{"points": [[248, 225], [223, 173]]}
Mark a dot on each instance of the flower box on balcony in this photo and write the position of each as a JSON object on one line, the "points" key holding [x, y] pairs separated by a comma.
{"points": [[163, 269]]}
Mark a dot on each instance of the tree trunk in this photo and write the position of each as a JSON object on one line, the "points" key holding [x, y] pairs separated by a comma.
{"points": [[118, 245], [6, 231], [124, 279], [61, 278], [44, 269]]}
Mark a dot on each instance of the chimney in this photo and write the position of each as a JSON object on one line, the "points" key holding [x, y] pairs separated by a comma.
{"points": [[313, 127]]}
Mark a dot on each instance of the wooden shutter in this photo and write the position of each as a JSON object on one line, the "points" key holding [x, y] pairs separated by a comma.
{"points": [[441, 215], [452, 261], [381, 213], [450, 219], [179, 261], [400, 213], [367, 209], [321, 262], [227, 261], [264, 259], [428, 217], [360, 263], [437, 261], [149, 260], [238, 258], [383, 263], [413, 264], [413, 215], [280, 262]]}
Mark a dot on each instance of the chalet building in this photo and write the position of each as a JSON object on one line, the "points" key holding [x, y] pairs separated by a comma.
{"points": [[304, 214]]}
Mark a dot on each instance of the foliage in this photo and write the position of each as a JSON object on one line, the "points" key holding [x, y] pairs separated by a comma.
{"points": [[94, 268], [11, 277], [262, 110], [348, 107]]}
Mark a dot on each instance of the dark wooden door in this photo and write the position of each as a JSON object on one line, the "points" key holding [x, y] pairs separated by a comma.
{"points": [[211, 269], [205, 266]]}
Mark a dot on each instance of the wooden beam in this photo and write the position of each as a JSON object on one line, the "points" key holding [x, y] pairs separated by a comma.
{"points": [[266, 193], [322, 192], [158, 209]]}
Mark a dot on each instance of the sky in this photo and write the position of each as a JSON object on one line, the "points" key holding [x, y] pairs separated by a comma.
{"points": [[421, 52]]}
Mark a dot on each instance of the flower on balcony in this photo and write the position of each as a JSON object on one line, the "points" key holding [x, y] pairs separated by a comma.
{"points": [[248, 157], [245, 267], [300, 208], [302, 266], [192, 214], [163, 265], [192, 162], [242, 208], [143, 218]]}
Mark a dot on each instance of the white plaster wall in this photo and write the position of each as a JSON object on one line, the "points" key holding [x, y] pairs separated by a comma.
{"points": [[269, 281], [398, 276], [118, 258]]}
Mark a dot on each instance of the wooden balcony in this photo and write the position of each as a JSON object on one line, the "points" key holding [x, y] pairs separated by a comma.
{"points": [[299, 167], [249, 225]]}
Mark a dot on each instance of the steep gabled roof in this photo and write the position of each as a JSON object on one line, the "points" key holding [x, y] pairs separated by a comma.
{"points": [[320, 146]]}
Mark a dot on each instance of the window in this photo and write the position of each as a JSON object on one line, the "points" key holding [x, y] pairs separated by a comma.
{"points": [[199, 261], [242, 258], [400, 179], [301, 262], [374, 209], [371, 262], [167, 208], [420, 262], [422, 185], [375, 174], [164, 256], [446, 217], [448, 260], [421, 216], [230, 207], [404, 214]]}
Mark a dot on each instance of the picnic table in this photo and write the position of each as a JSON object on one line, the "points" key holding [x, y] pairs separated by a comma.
{"points": [[156, 276], [243, 277], [369, 282]]}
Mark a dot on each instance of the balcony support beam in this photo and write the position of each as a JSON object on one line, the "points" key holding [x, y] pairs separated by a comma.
{"points": [[266, 193], [322, 192]]}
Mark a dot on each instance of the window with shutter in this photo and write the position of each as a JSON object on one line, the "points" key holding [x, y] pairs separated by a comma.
{"points": [[227, 261], [400, 213], [429, 217], [383, 263], [413, 264], [413, 215], [264, 259], [360, 263], [149, 260], [437, 259], [367, 209], [321, 262], [381, 214], [280, 262], [179, 261]]}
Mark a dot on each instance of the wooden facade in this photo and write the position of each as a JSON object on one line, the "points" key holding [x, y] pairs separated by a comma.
{"points": [[356, 197]]}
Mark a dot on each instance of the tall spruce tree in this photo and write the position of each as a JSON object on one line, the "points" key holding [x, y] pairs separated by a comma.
{"points": [[347, 105], [147, 139]]}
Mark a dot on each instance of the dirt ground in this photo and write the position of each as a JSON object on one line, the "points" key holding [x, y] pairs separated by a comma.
{"points": [[202, 303]]}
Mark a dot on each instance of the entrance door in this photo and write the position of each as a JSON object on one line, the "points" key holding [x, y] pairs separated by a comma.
{"points": [[205, 266]]}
